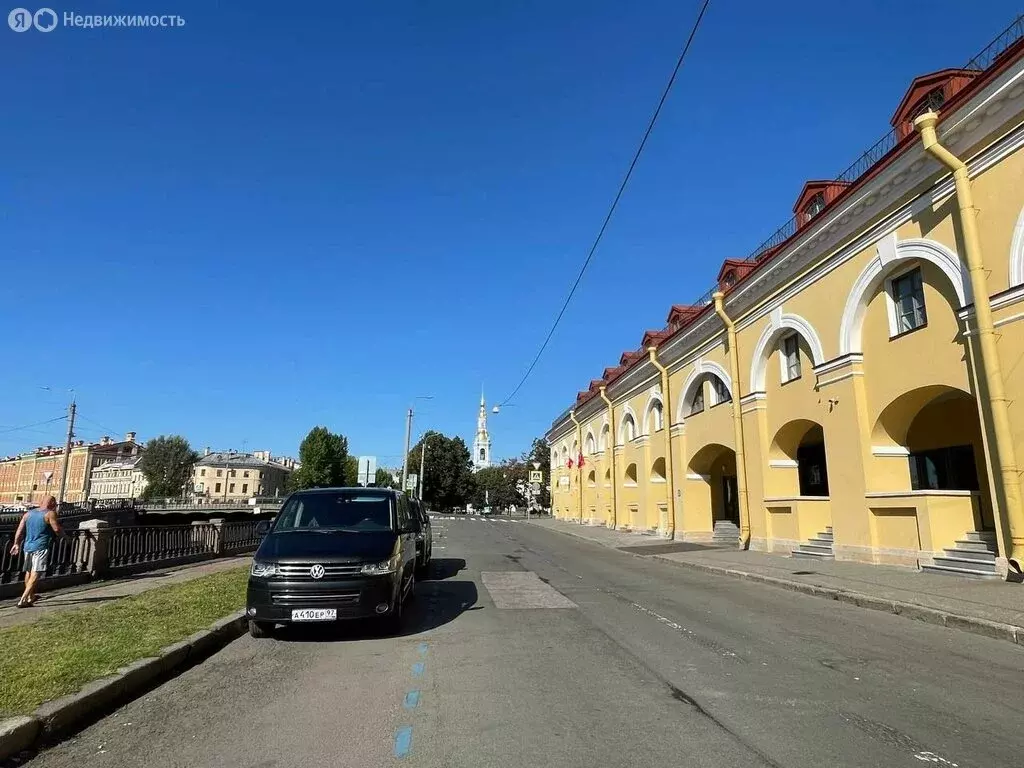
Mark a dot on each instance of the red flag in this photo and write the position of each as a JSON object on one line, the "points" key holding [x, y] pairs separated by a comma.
{"points": [[569, 464], [579, 462]]}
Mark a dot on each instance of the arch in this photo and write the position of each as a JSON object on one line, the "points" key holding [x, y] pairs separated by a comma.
{"points": [[702, 369], [704, 460], [656, 408], [628, 418], [630, 478], [592, 479], [603, 435], [893, 423], [798, 445], [589, 443], [608, 477], [1017, 253], [890, 254], [658, 469], [778, 324]]}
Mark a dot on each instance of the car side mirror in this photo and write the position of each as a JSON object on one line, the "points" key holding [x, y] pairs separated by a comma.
{"points": [[262, 527]]}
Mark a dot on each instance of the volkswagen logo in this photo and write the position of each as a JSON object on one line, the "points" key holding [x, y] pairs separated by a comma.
{"points": [[316, 572]]}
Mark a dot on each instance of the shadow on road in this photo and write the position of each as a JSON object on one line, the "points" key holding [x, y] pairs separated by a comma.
{"points": [[437, 601], [442, 568]]}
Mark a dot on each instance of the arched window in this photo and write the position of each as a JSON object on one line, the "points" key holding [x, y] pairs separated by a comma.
{"points": [[697, 399], [628, 428], [602, 441], [631, 474], [589, 444], [592, 479], [721, 391], [654, 416], [658, 470]]}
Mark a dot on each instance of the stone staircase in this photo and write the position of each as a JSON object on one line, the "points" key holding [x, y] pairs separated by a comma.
{"points": [[818, 548], [974, 556], [726, 532]]}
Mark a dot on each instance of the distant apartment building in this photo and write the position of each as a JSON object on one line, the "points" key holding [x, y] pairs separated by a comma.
{"points": [[118, 480], [34, 475], [233, 476]]}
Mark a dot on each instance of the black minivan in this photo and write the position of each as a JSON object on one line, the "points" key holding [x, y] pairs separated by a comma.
{"points": [[334, 554]]}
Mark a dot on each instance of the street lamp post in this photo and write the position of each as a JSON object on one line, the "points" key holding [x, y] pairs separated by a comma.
{"points": [[408, 434]]}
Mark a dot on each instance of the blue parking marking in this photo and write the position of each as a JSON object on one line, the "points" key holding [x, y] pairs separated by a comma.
{"points": [[412, 700], [417, 669], [403, 741], [422, 649]]}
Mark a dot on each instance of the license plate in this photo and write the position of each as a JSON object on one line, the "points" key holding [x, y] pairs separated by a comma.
{"points": [[315, 614]]}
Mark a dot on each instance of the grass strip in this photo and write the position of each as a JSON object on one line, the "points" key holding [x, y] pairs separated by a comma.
{"points": [[60, 653]]}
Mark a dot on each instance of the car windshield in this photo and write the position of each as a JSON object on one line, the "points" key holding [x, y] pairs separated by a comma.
{"points": [[346, 511]]}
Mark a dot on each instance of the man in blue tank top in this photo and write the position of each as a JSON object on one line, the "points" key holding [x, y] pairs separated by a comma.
{"points": [[37, 527]]}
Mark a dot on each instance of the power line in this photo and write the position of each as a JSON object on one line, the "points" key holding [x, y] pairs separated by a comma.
{"points": [[618, 196], [108, 430], [30, 426]]}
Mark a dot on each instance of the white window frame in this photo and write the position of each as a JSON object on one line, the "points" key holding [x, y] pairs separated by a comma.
{"points": [[698, 391], [657, 417], [602, 438], [628, 429], [717, 397], [892, 309], [784, 363]]}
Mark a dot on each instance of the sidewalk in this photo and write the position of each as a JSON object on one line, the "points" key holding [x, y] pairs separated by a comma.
{"points": [[992, 608], [114, 589]]}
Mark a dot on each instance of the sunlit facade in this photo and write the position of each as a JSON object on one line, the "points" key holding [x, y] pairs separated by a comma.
{"points": [[860, 420]]}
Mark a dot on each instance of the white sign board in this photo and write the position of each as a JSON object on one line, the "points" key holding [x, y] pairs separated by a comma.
{"points": [[536, 477], [411, 481], [367, 470]]}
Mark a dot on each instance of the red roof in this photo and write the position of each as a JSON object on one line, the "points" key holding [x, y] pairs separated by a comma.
{"points": [[950, 80], [654, 338], [830, 191]]}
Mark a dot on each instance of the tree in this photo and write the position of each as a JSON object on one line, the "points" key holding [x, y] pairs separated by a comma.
{"points": [[167, 465], [383, 479], [352, 471], [540, 453], [323, 457], [496, 485], [448, 476]]}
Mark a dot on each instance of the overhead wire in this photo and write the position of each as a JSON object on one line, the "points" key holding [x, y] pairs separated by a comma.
{"points": [[615, 201]]}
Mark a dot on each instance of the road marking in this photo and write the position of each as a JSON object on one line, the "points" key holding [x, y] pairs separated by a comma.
{"points": [[412, 700], [422, 649], [417, 669], [403, 741], [710, 644], [522, 589]]}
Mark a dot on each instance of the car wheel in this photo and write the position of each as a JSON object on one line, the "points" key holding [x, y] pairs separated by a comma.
{"points": [[260, 629]]}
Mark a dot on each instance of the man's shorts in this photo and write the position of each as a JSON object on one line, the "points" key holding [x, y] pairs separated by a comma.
{"points": [[37, 561]]}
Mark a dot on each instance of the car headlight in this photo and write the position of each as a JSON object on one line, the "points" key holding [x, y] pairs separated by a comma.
{"points": [[380, 569], [263, 570]]}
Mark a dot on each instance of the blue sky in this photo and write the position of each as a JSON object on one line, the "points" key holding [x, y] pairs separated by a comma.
{"points": [[282, 216]]}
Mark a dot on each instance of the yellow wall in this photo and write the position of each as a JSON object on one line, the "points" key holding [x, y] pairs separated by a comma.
{"points": [[896, 392]]}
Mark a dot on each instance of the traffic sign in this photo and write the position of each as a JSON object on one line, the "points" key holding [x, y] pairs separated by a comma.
{"points": [[536, 477], [367, 470], [411, 481]]}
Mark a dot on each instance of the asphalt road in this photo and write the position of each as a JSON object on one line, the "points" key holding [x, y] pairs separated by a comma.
{"points": [[532, 648]]}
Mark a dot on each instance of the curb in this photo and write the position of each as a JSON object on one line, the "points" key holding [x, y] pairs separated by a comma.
{"points": [[60, 715], [992, 629]]}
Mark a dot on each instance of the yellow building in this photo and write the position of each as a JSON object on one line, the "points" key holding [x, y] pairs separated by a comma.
{"points": [[855, 387]]}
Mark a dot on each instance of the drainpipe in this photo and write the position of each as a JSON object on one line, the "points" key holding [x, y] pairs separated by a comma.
{"points": [[670, 532], [737, 421], [579, 471], [615, 477], [988, 361]]}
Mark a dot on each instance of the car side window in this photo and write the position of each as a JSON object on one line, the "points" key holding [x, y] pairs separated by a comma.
{"points": [[403, 513]]}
